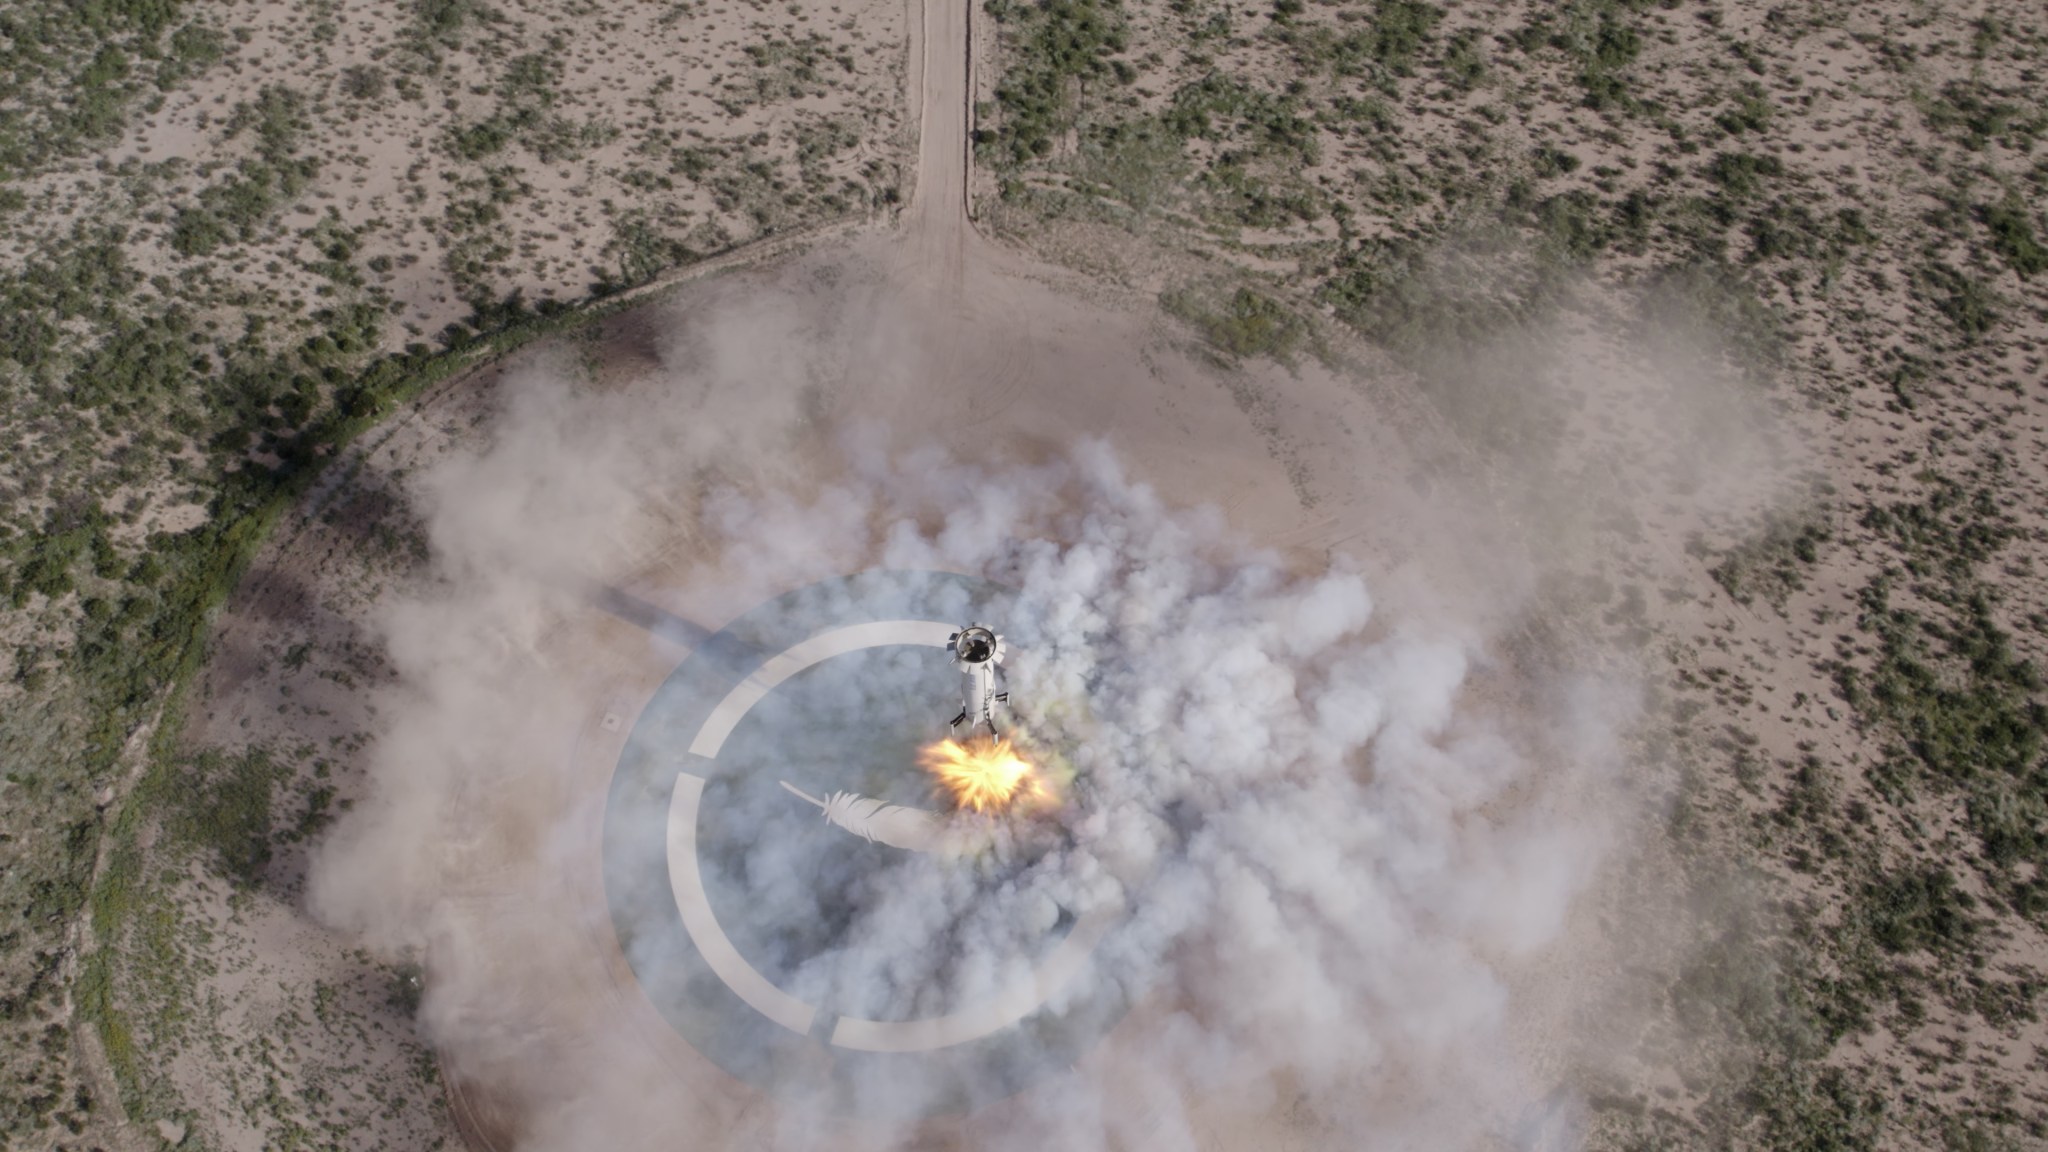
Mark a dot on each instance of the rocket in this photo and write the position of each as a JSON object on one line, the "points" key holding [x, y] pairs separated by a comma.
{"points": [[978, 653]]}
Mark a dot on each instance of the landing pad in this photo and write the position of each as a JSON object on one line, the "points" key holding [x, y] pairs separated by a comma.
{"points": [[774, 943]]}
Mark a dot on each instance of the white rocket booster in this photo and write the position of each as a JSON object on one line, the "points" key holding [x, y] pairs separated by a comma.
{"points": [[978, 653]]}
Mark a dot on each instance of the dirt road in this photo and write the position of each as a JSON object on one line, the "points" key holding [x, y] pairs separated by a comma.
{"points": [[937, 234]]}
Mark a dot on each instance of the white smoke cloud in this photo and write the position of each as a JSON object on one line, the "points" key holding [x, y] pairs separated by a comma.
{"points": [[1334, 832]]}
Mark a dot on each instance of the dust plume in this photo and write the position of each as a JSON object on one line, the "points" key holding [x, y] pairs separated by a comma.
{"points": [[1334, 831]]}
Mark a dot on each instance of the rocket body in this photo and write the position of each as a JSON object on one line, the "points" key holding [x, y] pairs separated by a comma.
{"points": [[978, 653]]}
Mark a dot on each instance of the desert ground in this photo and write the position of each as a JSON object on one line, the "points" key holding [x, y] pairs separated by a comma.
{"points": [[1677, 364]]}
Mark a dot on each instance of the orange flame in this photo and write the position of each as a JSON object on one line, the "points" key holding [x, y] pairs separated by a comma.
{"points": [[983, 774]]}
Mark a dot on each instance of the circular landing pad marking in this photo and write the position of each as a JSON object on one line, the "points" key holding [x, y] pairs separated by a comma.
{"points": [[669, 784]]}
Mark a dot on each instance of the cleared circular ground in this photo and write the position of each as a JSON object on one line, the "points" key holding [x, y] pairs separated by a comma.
{"points": [[751, 923]]}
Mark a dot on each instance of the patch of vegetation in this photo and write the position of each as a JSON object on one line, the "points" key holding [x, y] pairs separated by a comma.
{"points": [[1978, 114], [1253, 179], [86, 278], [1717, 306], [2012, 236], [362, 82], [786, 68], [1216, 105], [1551, 161], [1574, 226], [236, 209], [142, 400], [1773, 563], [1139, 164], [445, 20], [1248, 325], [1397, 295], [525, 114], [1599, 37], [1917, 909], [1965, 710], [133, 665], [1950, 531], [1963, 299], [1239, 193], [1464, 66], [1741, 174], [194, 49], [68, 73], [1714, 165], [1058, 47], [643, 249], [1751, 112], [1465, 315], [1388, 46], [1738, 982], [1804, 1108], [226, 811]]}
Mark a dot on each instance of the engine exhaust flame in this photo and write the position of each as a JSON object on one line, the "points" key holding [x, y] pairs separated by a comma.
{"points": [[985, 774]]}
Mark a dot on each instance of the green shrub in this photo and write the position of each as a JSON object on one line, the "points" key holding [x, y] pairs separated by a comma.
{"points": [[2008, 821], [1573, 225], [1464, 61], [1784, 231], [444, 20], [1217, 106], [1751, 113], [236, 209], [226, 811], [1615, 46], [1551, 161], [98, 98], [1385, 47], [147, 360], [1919, 908], [278, 116], [1968, 713], [1139, 164], [2012, 236], [1248, 325], [1951, 530], [362, 82], [1962, 298], [1773, 563], [1979, 113], [1814, 1109], [1399, 30], [476, 141], [1740, 173], [194, 49]]}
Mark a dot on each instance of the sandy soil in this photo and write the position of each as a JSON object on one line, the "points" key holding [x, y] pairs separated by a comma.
{"points": [[626, 90]]}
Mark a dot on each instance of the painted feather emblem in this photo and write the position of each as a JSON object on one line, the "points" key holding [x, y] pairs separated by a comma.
{"points": [[911, 829]]}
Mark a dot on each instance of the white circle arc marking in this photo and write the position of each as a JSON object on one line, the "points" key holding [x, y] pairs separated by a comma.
{"points": [[695, 905], [1019, 1000], [994, 1014]]}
